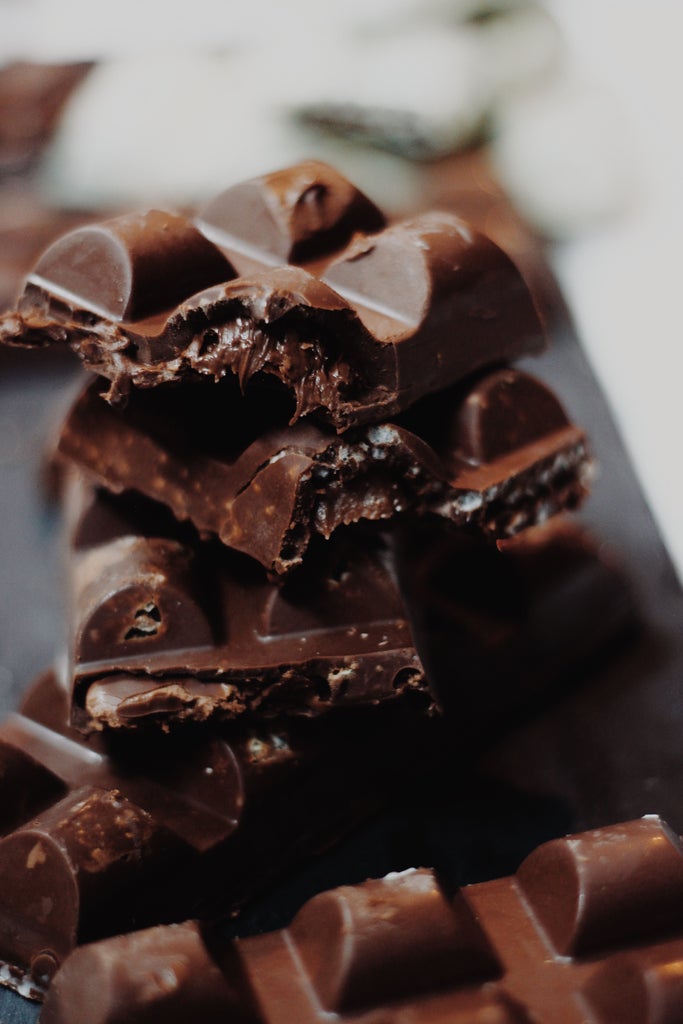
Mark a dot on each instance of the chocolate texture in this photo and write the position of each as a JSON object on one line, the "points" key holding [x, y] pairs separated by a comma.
{"points": [[301, 285], [103, 836], [587, 931], [495, 455], [164, 629]]}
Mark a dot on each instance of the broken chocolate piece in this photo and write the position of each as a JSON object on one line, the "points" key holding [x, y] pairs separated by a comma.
{"points": [[500, 456], [357, 335], [500, 631], [106, 834], [164, 629], [402, 949]]}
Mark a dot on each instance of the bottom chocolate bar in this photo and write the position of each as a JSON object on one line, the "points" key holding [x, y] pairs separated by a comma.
{"points": [[588, 931], [107, 834]]}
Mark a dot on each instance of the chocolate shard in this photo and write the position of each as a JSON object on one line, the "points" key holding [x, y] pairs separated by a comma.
{"points": [[129, 831], [335, 635], [402, 949], [386, 315], [495, 455]]}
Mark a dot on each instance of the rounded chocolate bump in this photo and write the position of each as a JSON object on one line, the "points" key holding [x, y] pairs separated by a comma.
{"points": [[602, 888], [505, 411], [135, 595], [153, 975], [639, 988], [388, 277], [131, 267], [39, 890], [293, 215], [388, 939], [44, 966], [208, 786]]}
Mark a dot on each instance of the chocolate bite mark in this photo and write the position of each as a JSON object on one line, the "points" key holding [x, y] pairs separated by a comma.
{"points": [[406, 310], [231, 466]]}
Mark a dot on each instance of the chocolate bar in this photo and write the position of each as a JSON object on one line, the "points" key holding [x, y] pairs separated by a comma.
{"points": [[164, 629], [303, 284], [106, 835], [493, 456], [498, 629], [588, 931]]}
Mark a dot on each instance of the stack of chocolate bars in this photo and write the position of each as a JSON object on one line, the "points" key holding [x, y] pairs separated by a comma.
{"points": [[296, 408]]}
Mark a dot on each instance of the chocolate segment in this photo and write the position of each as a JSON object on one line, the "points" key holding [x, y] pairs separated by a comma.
{"points": [[376, 320], [168, 974], [127, 831], [164, 629], [497, 456], [132, 267], [290, 216], [402, 949]]}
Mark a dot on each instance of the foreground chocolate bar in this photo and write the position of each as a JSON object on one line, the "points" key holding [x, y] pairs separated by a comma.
{"points": [[165, 629], [588, 931], [103, 837], [495, 455], [294, 276]]}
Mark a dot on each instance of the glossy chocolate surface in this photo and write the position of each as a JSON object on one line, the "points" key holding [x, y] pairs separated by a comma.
{"points": [[588, 931], [356, 322], [495, 455]]}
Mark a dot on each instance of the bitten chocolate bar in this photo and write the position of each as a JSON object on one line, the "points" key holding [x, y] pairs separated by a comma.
{"points": [[100, 837], [294, 276], [588, 931], [495, 456]]}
